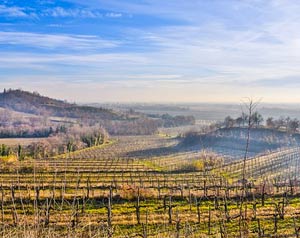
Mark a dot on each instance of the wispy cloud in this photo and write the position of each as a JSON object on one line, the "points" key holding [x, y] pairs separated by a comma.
{"points": [[17, 12], [56, 12], [75, 12], [155, 76], [199, 50], [54, 41], [88, 64], [290, 81], [12, 11], [113, 15], [60, 12]]}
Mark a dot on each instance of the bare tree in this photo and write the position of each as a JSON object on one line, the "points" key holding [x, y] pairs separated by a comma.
{"points": [[250, 106]]}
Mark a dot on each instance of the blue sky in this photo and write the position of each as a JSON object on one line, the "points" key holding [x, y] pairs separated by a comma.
{"points": [[152, 50]]}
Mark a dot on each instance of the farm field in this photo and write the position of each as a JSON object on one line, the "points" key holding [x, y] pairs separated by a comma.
{"points": [[19, 141], [139, 186]]}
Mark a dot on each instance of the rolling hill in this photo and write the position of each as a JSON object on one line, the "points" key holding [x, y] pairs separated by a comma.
{"points": [[34, 103]]}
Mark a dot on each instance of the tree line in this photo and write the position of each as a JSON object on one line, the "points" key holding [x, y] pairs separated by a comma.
{"points": [[290, 125], [72, 139]]}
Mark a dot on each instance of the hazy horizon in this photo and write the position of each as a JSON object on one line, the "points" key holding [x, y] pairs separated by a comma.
{"points": [[76, 99], [152, 51]]}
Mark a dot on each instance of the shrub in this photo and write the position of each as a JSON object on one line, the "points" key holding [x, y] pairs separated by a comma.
{"points": [[130, 192]]}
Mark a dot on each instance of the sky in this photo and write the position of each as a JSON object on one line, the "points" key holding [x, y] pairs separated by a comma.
{"points": [[152, 50]]}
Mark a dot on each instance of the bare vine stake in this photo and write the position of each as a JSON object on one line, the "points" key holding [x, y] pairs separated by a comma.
{"points": [[37, 194], [216, 202], [254, 208], [76, 201], [178, 226], [14, 209], [64, 183], [260, 231], [165, 202], [47, 212], [158, 188], [20, 195], [54, 186], [223, 232], [145, 226], [137, 208], [88, 187], [291, 187], [35, 202], [226, 211], [198, 204], [209, 220], [109, 214], [263, 194], [190, 197], [297, 229], [170, 207], [205, 188], [181, 191], [83, 205], [275, 222], [2, 203]]}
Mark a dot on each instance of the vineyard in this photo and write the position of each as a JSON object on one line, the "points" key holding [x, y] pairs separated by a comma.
{"points": [[149, 119], [150, 186]]}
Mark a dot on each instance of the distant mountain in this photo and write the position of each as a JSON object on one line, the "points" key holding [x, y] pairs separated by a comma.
{"points": [[34, 103]]}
